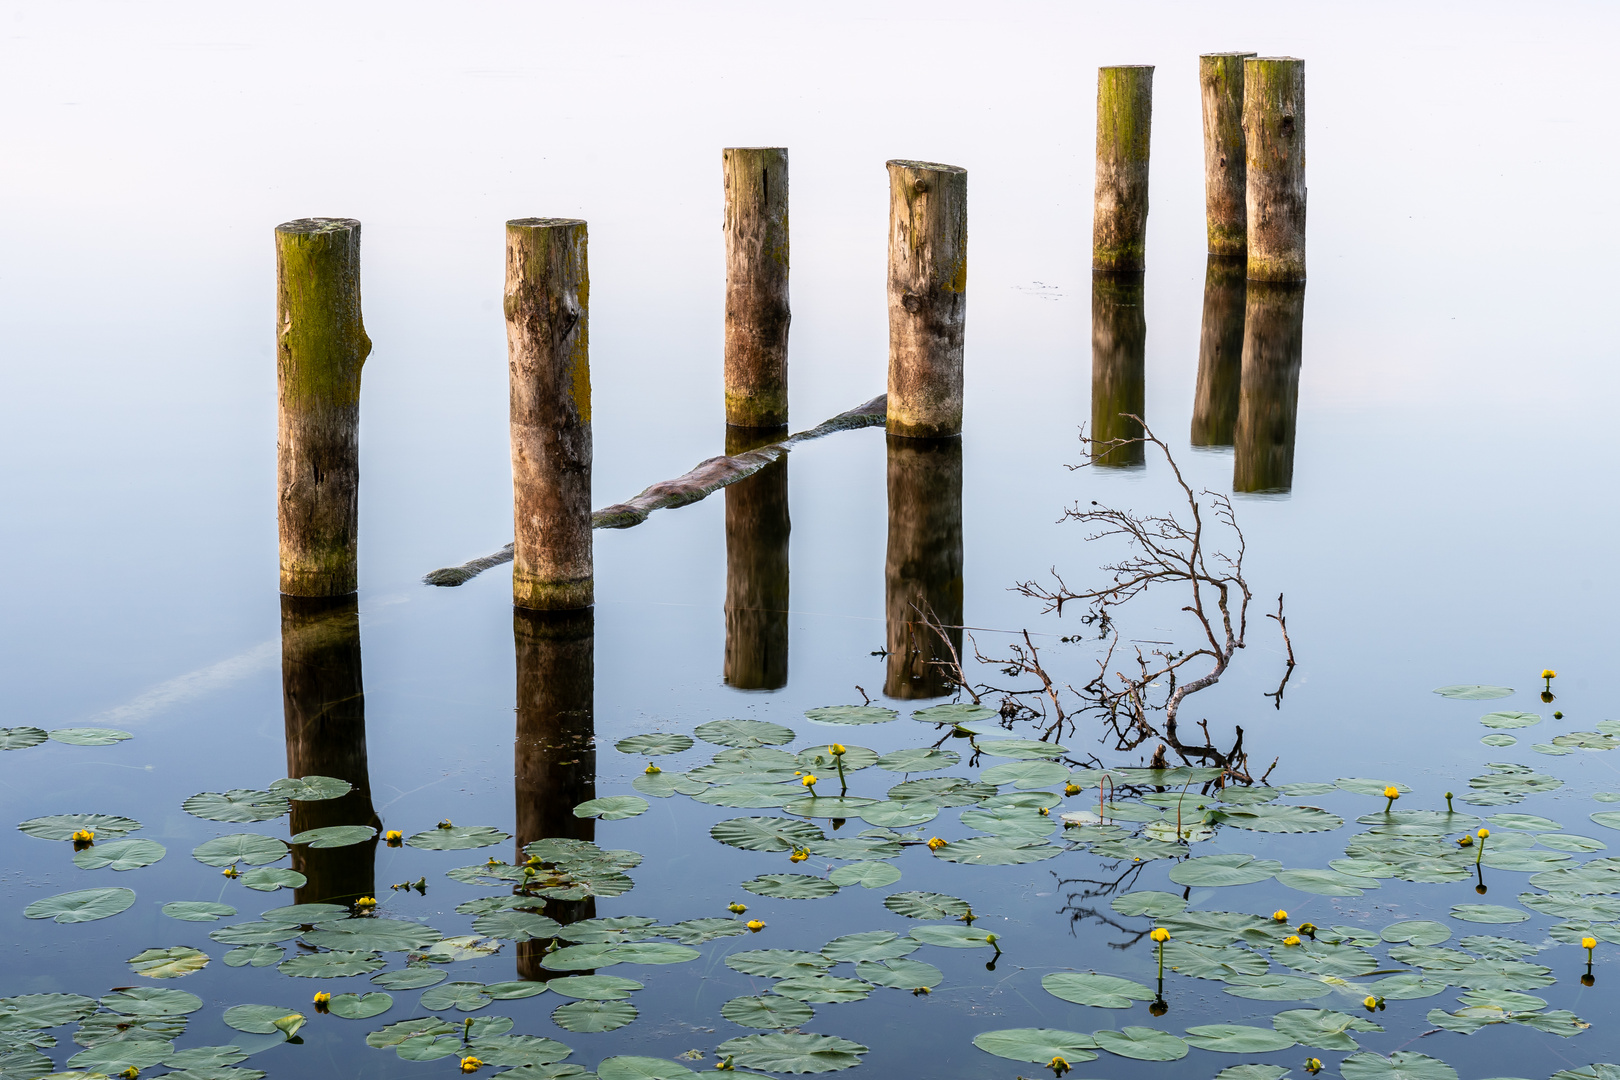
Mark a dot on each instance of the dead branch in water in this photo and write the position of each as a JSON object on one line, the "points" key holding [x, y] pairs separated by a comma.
{"points": [[1282, 624]]}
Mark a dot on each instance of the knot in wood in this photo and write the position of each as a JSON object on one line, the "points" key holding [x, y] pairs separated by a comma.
{"points": [[911, 302]]}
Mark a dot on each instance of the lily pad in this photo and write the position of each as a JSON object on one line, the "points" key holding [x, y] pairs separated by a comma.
{"points": [[465, 996], [851, 714], [1509, 720], [1212, 961], [701, 931], [311, 788], [330, 965], [1142, 1044], [115, 1057], [374, 935], [828, 806], [654, 745], [662, 785], [899, 814], [465, 837], [627, 1067], [516, 925], [269, 879], [778, 963], [197, 910], [743, 733], [1229, 869], [1416, 932], [265, 955], [1407, 985], [1276, 987], [823, 988], [1323, 958], [1326, 882], [1023, 749], [821, 760], [1471, 692], [239, 805], [334, 836], [120, 855], [1026, 775], [926, 905], [1500, 738], [1237, 1039], [785, 1052], [997, 851], [593, 1016], [1401, 1065], [1325, 1029], [871, 945], [791, 886], [751, 796], [767, 1012], [612, 807], [63, 826], [260, 1019], [766, 833], [1038, 1044], [21, 738], [1275, 818], [250, 848], [410, 977], [593, 987], [1487, 913], [45, 1010], [918, 759], [1149, 902], [82, 905], [359, 1006], [206, 1059], [952, 937], [168, 963], [1100, 991], [90, 736]]}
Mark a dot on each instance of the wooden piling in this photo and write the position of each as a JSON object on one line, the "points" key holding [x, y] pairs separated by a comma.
{"points": [[1220, 79], [1118, 368], [923, 568], [1220, 352], [548, 356], [927, 297], [1274, 152], [1273, 347], [1124, 128], [321, 344], [757, 532], [757, 310]]}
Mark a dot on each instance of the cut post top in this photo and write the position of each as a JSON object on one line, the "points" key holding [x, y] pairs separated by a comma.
{"points": [[310, 226], [759, 149], [1223, 55], [927, 166], [544, 223], [1251, 58], [1126, 67]]}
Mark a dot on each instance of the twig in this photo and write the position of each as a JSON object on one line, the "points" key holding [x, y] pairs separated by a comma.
{"points": [[1282, 624]]}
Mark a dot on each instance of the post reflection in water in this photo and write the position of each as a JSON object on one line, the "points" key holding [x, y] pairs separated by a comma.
{"points": [[554, 756], [1273, 339], [923, 571], [1118, 360], [1220, 352], [757, 528], [324, 706]]}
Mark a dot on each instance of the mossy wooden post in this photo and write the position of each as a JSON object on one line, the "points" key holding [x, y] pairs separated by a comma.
{"points": [[757, 311], [927, 297], [321, 344], [923, 567], [757, 532], [1220, 78], [324, 711], [1124, 127], [1273, 347], [1220, 352], [548, 358], [1118, 368], [554, 747], [1274, 151]]}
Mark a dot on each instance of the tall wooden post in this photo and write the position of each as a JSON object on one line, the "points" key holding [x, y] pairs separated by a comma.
{"points": [[1118, 368], [757, 532], [757, 311], [1220, 353], [1124, 128], [321, 344], [927, 297], [923, 571], [554, 749], [1220, 79], [1273, 347], [548, 358], [324, 708], [1274, 149]]}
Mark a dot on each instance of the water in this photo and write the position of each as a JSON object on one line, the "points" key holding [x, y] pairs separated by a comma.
{"points": [[1445, 524]]}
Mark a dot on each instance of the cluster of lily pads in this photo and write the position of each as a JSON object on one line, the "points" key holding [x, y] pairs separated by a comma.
{"points": [[1028, 803]]}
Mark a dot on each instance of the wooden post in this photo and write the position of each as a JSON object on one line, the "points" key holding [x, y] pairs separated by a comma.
{"points": [[548, 356], [1124, 127], [1118, 367], [324, 709], [757, 311], [923, 571], [757, 531], [1220, 77], [1273, 345], [554, 748], [927, 297], [321, 344], [1220, 353], [1274, 151]]}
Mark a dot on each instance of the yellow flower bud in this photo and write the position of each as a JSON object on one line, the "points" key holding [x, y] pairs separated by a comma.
{"points": [[1280, 915], [653, 770], [736, 909], [1308, 928], [1071, 789], [838, 749], [1483, 833], [366, 902], [935, 843], [755, 926], [231, 871], [1313, 1065], [1465, 841], [1160, 934], [393, 836], [445, 824], [809, 781], [1370, 1002], [1392, 792], [471, 1064], [1588, 943], [799, 856], [1291, 940], [1549, 673]]}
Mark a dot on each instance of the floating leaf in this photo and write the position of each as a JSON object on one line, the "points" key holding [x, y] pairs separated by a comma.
{"points": [[766, 833], [63, 826], [410, 977], [791, 886], [1237, 1039], [655, 744], [1416, 932], [900, 973], [955, 713], [268, 879], [1326, 882], [827, 806], [585, 957], [872, 945], [83, 905], [1223, 928], [1142, 1044], [46, 1010], [700, 931], [1487, 913], [254, 955], [1502, 975], [1304, 791], [1037, 1044], [1361, 785], [205, 1058], [465, 996], [926, 905], [1024, 749], [743, 733], [823, 988], [120, 855], [1500, 738], [821, 758], [120, 1054], [1212, 961], [1401, 1065], [869, 875], [856, 848], [466, 837], [330, 965], [899, 814], [517, 989], [785, 1052], [1251, 1072], [21, 738], [1273, 818], [592, 1016], [593, 987], [359, 1006], [767, 1012], [951, 937], [90, 736], [197, 910], [778, 963], [918, 759], [1230, 869], [238, 805], [168, 963], [1571, 842], [374, 935], [1148, 902], [851, 714], [515, 925], [1322, 958], [311, 788], [261, 1019], [611, 807], [751, 796], [334, 836], [627, 1067], [1406, 985], [1012, 822], [1325, 1029], [1090, 988], [1474, 693], [1594, 876], [997, 851], [250, 848], [662, 785], [1276, 987], [150, 1001], [1510, 719]]}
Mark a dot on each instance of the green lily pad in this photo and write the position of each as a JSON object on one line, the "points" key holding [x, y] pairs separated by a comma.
{"points": [[250, 848], [1487, 913], [954, 713], [1469, 692], [1212, 961], [918, 759], [851, 714], [871, 945], [1572, 906], [997, 851], [1011, 822], [751, 796], [517, 989], [593, 1016], [516, 925], [255, 956], [1510, 719], [952, 937], [63, 826], [1026, 775], [1416, 932], [1401, 1065], [898, 813], [778, 963], [45, 1010], [1237, 1039], [767, 1012], [21, 738], [1326, 882], [334, 836], [785, 1052], [1230, 869], [1023, 749], [1500, 738], [654, 745], [1149, 902], [743, 733], [822, 761], [766, 833], [1407, 985], [465, 996], [374, 935], [410, 977], [1582, 845], [1142, 1044], [1090, 988], [900, 973], [1502, 975], [585, 957], [856, 847], [311, 788], [1276, 987], [90, 736], [1325, 1029], [82, 905], [206, 1059], [1251, 1072], [261, 1019], [926, 905], [1593, 876], [641, 1068], [1039, 1045], [359, 1006], [823, 988], [662, 785], [149, 1001], [330, 965], [594, 987], [1609, 819], [168, 963], [115, 1057], [197, 910], [1275, 818], [120, 855], [1496, 947], [612, 807], [239, 805], [828, 806], [269, 879], [791, 886], [465, 837], [1323, 958]]}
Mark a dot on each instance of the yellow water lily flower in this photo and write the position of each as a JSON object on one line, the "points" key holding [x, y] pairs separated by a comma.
{"points": [[1308, 929], [1291, 940], [231, 871], [471, 1064], [1549, 673], [445, 824], [84, 836], [366, 902], [838, 749], [1588, 943], [799, 856], [736, 909], [1160, 934], [1313, 1065], [393, 836], [810, 782], [755, 926], [130, 1073], [323, 998], [1465, 840], [653, 770], [1280, 915], [1392, 792], [1058, 1066], [935, 843], [1071, 789], [1483, 833]]}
